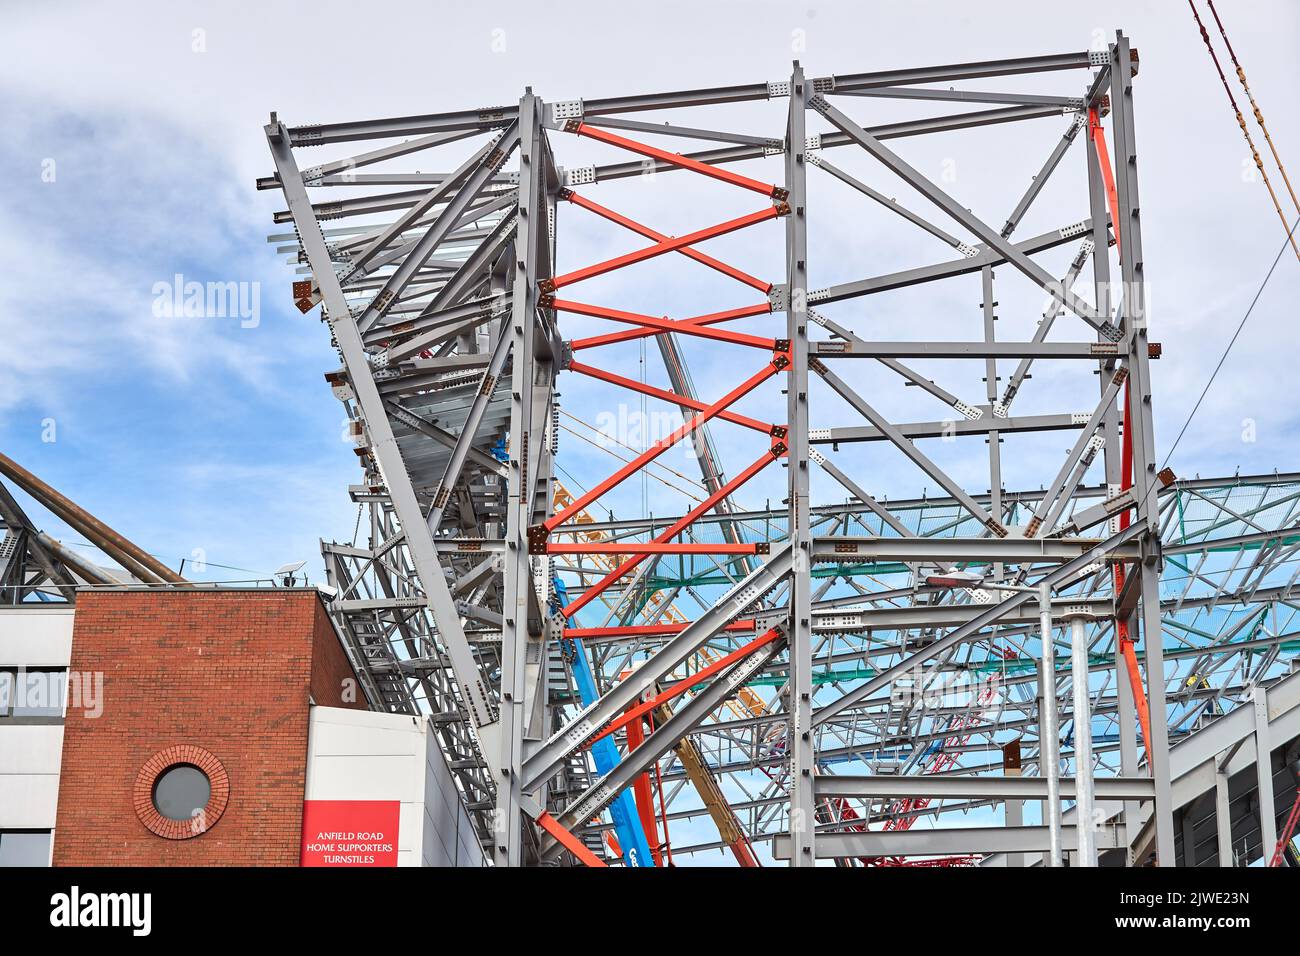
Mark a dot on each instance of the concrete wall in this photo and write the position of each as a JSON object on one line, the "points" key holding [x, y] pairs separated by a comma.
{"points": [[361, 755]]}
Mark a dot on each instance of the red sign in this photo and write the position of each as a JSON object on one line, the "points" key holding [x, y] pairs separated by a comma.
{"points": [[349, 832]]}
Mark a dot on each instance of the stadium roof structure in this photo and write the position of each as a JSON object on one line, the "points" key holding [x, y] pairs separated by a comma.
{"points": [[819, 675]]}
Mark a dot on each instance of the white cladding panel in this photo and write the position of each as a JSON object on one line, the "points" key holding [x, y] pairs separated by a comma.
{"points": [[29, 776], [363, 755], [35, 637], [30, 754]]}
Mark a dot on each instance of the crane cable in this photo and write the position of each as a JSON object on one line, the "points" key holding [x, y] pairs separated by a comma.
{"points": [[1259, 114], [1241, 121]]}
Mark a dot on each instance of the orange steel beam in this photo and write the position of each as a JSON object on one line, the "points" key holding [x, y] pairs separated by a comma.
{"points": [[681, 325], [683, 686], [658, 324], [676, 159], [645, 231], [537, 532], [668, 396], [645, 806], [648, 630], [569, 841], [775, 452], [1126, 643], [1098, 133], [660, 248]]}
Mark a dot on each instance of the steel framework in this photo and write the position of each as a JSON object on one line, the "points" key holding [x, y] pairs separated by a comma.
{"points": [[817, 676]]}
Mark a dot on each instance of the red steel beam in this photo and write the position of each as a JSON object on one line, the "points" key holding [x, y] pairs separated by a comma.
{"points": [[1098, 134], [654, 547], [1127, 650], [660, 248], [676, 159], [660, 324], [772, 454], [778, 363], [645, 806], [667, 396], [683, 686], [569, 841], [761, 285], [681, 325], [647, 630]]}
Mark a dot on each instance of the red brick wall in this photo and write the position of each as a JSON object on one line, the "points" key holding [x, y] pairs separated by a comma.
{"points": [[228, 671], [333, 682]]}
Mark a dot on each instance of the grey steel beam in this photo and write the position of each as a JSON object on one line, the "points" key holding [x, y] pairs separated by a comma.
{"points": [[940, 787], [706, 453], [853, 549], [856, 348], [1037, 183], [666, 736], [855, 489], [849, 341], [891, 204], [425, 427], [802, 745], [1075, 455], [319, 134], [712, 96], [851, 82], [1264, 771], [1101, 349], [946, 841], [1134, 321], [358, 262], [1064, 103], [385, 448], [548, 758], [438, 230], [504, 346], [993, 613], [922, 616], [961, 214], [944, 429], [531, 250], [669, 129], [735, 154], [909, 449], [948, 269]]}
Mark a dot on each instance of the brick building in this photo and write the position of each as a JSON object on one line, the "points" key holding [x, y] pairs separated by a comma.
{"points": [[186, 730]]}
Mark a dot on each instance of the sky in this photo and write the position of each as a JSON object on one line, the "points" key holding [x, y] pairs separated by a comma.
{"points": [[130, 157], [134, 135]]}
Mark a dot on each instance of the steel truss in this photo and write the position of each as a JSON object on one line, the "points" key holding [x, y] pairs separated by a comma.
{"points": [[817, 630]]}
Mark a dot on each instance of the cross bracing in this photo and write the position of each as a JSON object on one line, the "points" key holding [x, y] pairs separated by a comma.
{"points": [[742, 658]]}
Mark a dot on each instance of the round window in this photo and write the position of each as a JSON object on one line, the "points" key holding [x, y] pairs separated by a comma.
{"points": [[181, 792]]}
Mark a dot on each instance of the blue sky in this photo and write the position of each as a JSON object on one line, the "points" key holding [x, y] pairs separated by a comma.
{"points": [[201, 434], [194, 436], [200, 438]]}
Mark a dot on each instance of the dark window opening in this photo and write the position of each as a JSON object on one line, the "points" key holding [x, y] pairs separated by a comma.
{"points": [[181, 791]]}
